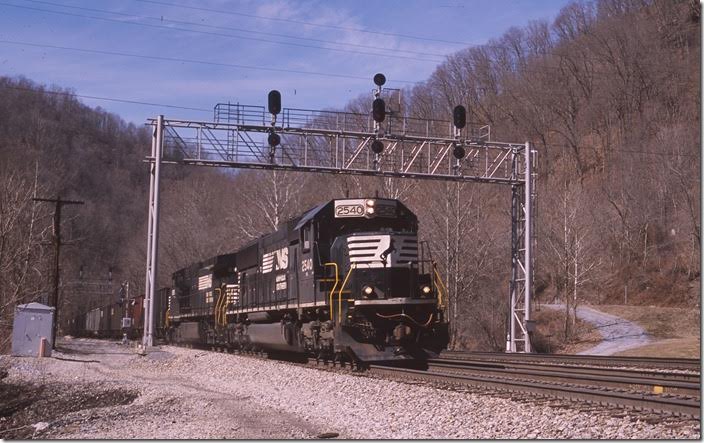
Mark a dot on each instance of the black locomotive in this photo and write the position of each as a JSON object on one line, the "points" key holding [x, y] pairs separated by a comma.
{"points": [[347, 279]]}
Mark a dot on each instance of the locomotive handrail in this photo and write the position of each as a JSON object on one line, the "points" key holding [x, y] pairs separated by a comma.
{"points": [[216, 310], [339, 297], [223, 308], [337, 280], [217, 307], [440, 286]]}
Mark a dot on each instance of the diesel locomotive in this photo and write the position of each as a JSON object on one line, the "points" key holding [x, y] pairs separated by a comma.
{"points": [[347, 279]]}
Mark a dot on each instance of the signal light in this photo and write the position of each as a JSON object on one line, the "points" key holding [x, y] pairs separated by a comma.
{"points": [[379, 79], [459, 116], [458, 152], [274, 102], [377, 147], [378, 110], [274, 139]]}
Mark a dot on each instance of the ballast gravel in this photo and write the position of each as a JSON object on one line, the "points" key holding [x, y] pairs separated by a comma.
{"points": [[186, 393]]}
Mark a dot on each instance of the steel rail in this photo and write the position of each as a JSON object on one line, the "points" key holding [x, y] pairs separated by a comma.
{"points": [[596, 360], [599, 395], [633, 371], [647, 381]]}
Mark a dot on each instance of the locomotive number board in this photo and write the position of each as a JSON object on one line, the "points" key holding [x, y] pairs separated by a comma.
{"points": [[361, 208]]}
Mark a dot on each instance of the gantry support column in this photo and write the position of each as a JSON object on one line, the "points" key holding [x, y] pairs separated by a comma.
{"points": [[521, 285], [153, 232]]}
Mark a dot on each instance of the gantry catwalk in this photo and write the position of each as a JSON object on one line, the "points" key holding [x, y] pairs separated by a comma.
{"points": [[381, 144]]}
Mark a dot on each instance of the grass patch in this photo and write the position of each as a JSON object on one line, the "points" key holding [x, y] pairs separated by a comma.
{"points": [[668, 348], [659, 322]]}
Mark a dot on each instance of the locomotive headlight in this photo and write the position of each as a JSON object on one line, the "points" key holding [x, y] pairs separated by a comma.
{"points": [[367, 290], [425, 289], [370, 210], [370, 202]]}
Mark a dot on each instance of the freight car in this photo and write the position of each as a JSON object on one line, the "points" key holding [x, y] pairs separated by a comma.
{"points": [[122, 316], [348, 279]]}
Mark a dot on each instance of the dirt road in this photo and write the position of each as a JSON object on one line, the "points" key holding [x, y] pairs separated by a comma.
{"points": [[618, 334]]}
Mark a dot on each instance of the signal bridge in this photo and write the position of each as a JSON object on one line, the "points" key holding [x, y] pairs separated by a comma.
{"points": [[377, 144]]}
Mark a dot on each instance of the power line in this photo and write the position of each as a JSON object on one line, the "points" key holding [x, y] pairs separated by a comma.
{"points": [[147, 25], [300, 22], [629, 151], [110, 99], [229, 28], [517, 70], [200, 62]]}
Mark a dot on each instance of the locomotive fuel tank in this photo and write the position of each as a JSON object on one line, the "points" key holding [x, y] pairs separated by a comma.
{"points": [[275, 336]]}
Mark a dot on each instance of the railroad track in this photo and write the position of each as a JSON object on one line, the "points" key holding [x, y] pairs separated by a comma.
{"points": [[685, 364], [638, 379], [639, 391], [638, 388]]}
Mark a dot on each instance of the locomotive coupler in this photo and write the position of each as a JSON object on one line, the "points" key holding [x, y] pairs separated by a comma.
{"points": [[401, 331]]}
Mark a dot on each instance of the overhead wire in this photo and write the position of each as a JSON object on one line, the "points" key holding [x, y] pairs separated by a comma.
{"points": [[185, 60], [220, 11], [300, 22], [148, 25], [517, 70], [110, 99], [629, 151], [230, 28]]}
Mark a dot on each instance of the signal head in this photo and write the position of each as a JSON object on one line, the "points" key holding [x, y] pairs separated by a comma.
{"points": [[274, 99], [459, 116], [274, 139], [377, 146], [378, 110], [458, 152], [379, 79]]}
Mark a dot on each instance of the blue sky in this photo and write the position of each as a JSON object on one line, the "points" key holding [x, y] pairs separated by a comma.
{"points": [[405, 40]]}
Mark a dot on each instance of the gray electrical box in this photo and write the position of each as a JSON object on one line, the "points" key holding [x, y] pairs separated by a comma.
{"points": [[32, 322]]}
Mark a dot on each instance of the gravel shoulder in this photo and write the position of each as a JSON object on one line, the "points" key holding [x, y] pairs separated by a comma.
{"points": [[176, 393]]}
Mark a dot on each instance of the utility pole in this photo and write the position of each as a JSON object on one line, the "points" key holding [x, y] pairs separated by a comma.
{"points": [[57, 249]]}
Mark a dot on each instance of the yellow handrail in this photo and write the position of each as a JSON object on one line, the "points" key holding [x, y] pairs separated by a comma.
{"points": [[217, 307], [337, 280], [339, 298], [223, 314], [441, 286]]}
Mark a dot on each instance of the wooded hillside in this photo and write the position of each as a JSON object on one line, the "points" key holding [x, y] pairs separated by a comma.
{"points": [[609, 93]]}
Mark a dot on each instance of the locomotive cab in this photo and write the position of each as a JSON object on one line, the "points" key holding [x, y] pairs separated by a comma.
{"points": [[384, 301]]}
